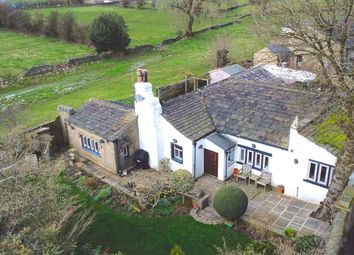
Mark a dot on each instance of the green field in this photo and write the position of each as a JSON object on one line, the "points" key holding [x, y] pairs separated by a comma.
{"points": [[19, 52], [146, 26], [111, 79]]}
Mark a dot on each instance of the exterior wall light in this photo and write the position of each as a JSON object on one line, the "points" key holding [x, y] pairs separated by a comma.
{"points": [[101, 141], [200, 146], [174, 141], [296, 161], [253, 145]]}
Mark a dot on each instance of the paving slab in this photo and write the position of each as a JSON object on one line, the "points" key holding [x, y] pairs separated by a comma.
{"points": [[298, 220], [288, 215], [293, 209], [304, 213], [312, 223], [282, 222], [279, 208]]}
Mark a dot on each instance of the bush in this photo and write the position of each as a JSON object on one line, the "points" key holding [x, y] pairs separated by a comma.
{"points": [[230, 202], [140, 3], [19, 20], [38, 21], [265, 248], [52, 28], [290, 232], [218, 53], [165, 165], [109, 32], [305, 244], [176, 250], [68, 26], [182, 181], [126, 3]]}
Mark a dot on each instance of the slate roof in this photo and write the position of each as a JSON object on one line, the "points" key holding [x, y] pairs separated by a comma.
{"points": [[278, 48], [221, 141], [106, 119], [259, 74], [187, 113], [233, 69], [247, 106]]}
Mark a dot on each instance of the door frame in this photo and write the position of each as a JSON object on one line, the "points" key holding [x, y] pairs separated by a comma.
{"points": [[217, 163]]}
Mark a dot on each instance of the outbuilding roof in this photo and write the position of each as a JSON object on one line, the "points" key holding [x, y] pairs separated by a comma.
{"points": [[233, 69], [278, 48], [106, 119]]}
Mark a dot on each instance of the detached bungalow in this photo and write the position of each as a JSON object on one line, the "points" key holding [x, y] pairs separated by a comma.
{"points": [[249, 118]]}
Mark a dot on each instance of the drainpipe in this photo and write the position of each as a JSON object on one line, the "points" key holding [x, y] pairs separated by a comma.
{"points": [[225, 170], [118, 166], [194, 158]]}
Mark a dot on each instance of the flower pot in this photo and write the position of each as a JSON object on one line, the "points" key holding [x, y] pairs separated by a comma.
{"points": [[279, 189]]}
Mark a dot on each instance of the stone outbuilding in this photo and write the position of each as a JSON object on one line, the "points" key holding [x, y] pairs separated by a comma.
{"points": [[105, 132]]}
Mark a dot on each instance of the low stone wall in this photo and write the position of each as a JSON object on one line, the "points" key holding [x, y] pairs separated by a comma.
{"points": [[73, 62]]}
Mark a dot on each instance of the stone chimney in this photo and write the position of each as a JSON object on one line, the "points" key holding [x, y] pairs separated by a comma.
{"points": [[149, 110], [64, 113]]}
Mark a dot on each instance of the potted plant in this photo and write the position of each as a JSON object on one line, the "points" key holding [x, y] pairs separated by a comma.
{"points": [[279, 189]]}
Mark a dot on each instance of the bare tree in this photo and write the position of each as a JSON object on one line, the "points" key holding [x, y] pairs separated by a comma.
{"points": [[218, 53], [321, 29], [191, 9]]}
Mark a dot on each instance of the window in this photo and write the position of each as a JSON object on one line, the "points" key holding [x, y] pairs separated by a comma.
{"points": [[323, 174], [126, 151], [266, 162], [250, 157], [177, 153], [319, 173], [312, 171], [90, 145], [258, 160], [242, 155], [230, 156], [298, 59]]}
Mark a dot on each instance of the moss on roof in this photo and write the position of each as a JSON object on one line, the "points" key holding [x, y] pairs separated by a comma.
{"points": [[330, 133]]}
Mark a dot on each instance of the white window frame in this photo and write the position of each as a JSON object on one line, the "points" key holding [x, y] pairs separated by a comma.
{"points": [[247, 158], [260, 160], [230, 156], [240, 155], [177, 153], [264, 162], [319, 170], [308, 171]]}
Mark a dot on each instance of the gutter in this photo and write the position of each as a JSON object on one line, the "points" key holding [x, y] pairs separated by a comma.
{"points": [[116, 149]]}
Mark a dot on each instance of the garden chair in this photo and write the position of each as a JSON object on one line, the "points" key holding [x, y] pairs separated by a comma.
{"points": [[264, 179], [244, 173]]}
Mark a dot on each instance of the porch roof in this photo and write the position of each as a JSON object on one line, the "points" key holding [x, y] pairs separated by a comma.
{"points": [[221, 141]]}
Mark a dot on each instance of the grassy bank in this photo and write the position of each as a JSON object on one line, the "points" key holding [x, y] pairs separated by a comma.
{"points": [[112, 79], [19, 52]]}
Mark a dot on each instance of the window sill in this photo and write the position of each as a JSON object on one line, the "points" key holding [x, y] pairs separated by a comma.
{"points": [[177, 160], [315, 183], [92, 152]]}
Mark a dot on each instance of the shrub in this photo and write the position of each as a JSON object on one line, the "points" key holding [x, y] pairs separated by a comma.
{"points": [[305, 244], [52, 28], [218, 53], [68, 26], [104, 192], [126, 3], [109, 32], [140, 3], [265, 248], [182, 181], [38, 21], [290, 232], [19, 20], [165, 165], [176, 250], [230, 202]]}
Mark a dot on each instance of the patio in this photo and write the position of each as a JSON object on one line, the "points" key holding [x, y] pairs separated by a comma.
{"points": [[265, 209]]}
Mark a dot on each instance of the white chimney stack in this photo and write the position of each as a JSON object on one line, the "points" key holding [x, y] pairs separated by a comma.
{"points": [[148, 109]]}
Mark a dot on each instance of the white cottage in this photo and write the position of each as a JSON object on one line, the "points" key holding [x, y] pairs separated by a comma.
{"points": [[252, 118]]}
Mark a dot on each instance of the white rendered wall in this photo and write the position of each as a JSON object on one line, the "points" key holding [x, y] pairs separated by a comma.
{"points": [[169, 133], [148, 110], [304, 150]]}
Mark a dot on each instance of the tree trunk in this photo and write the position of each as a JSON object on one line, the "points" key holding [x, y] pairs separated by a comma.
{"points": [[190, 26], [342, 171]]}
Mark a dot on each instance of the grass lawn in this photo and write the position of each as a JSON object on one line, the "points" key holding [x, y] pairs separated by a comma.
{"points": [[139, 235], [19, 52], [132, 234], [112, 80], [146, 26]]}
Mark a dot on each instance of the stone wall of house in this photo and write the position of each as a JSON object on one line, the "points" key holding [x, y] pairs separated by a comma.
{"points": [[106, 159], [129, 137], [264, 56]]}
